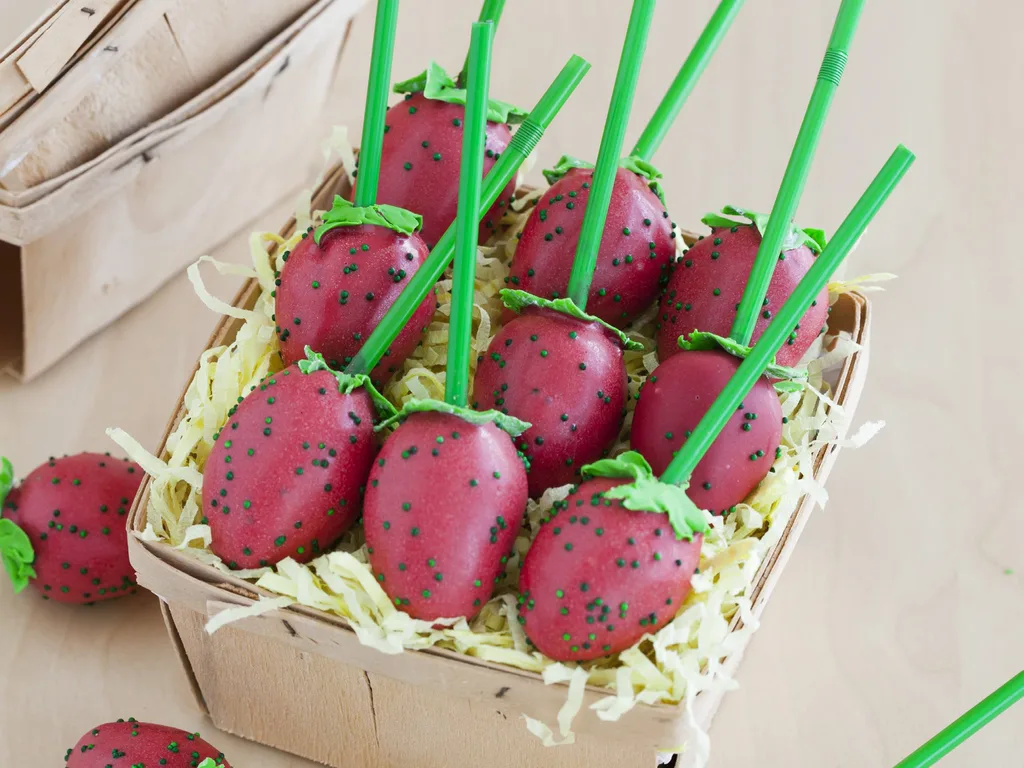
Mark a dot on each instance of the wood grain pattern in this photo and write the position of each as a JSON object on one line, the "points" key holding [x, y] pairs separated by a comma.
{"points": [[48, 55], [14, 86], [896, 612]]}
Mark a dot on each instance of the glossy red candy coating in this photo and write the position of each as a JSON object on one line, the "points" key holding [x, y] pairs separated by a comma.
{"points": [[672, 402], [722, 262], [564, 376], [636, 251], [74, 511], [443, 506], [332, 295], [598, 576]]}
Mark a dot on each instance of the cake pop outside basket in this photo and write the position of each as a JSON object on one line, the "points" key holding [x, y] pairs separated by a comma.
{"points": [[300, 680]]}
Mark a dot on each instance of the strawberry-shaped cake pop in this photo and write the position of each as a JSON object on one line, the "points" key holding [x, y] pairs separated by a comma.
{"points": [[131, 743], [636, 251], [423, 147], [447, 494], [638, 246], [443, 507], [562, 370], [504, 171], [674, 399], [287, 471], [601, 573], [63, 529], [555, 365], [341, 280], [734, 282], [707, 284]]}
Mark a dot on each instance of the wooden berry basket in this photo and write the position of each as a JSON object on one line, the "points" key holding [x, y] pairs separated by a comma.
{"points": [[80, 249], [299, 679]]}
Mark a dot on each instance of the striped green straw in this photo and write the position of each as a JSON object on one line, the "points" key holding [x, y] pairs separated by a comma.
{"points": [[490, 11], [795, 178], [371, 146], [753, 367], [596, 214], [526, 138], [972, 721], [467, 227], [681, 88]]}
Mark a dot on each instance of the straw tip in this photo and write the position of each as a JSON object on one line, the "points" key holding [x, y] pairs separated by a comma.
{"points": [[578, 62]]}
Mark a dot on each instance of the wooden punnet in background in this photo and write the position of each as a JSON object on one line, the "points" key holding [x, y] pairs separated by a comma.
{"points": [[127, 128]]}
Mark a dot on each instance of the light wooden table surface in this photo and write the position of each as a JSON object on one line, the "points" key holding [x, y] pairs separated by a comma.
{"points": [[904, 603]]}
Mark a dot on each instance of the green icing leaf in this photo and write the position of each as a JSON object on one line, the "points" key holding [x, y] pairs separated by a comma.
{"points": [[347, 382], [345, 214], [435, 83], [507, 423], [645, 170], [648, 494], [565, 164], [414, 84], [632, 163], [813, 238], [209, 763], [517, 301], [629, 464], [786, 387], [17, 554], [15, 546], [700, 340], [6, 480]]}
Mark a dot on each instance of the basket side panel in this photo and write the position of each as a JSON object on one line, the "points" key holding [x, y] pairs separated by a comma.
{"points": [[268, 692], [421, 727], [179, 649]]}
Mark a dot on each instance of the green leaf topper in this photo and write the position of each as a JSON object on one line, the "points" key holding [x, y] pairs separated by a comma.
{"points": [[15, 546], [701, 340], [813, 238], [509, 424], [210, 763], [637, 165], [517, 301], [345, 214], [6, 479], [648, 494], [435, 83], [347, 382]]}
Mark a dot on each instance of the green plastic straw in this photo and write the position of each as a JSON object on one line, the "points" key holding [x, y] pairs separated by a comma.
{"points": [[682, 86], [526, 138], [467, 223], [490, 11], [372, 143], [751, 369], [611, 147], [795, 178], [967, 725]]}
